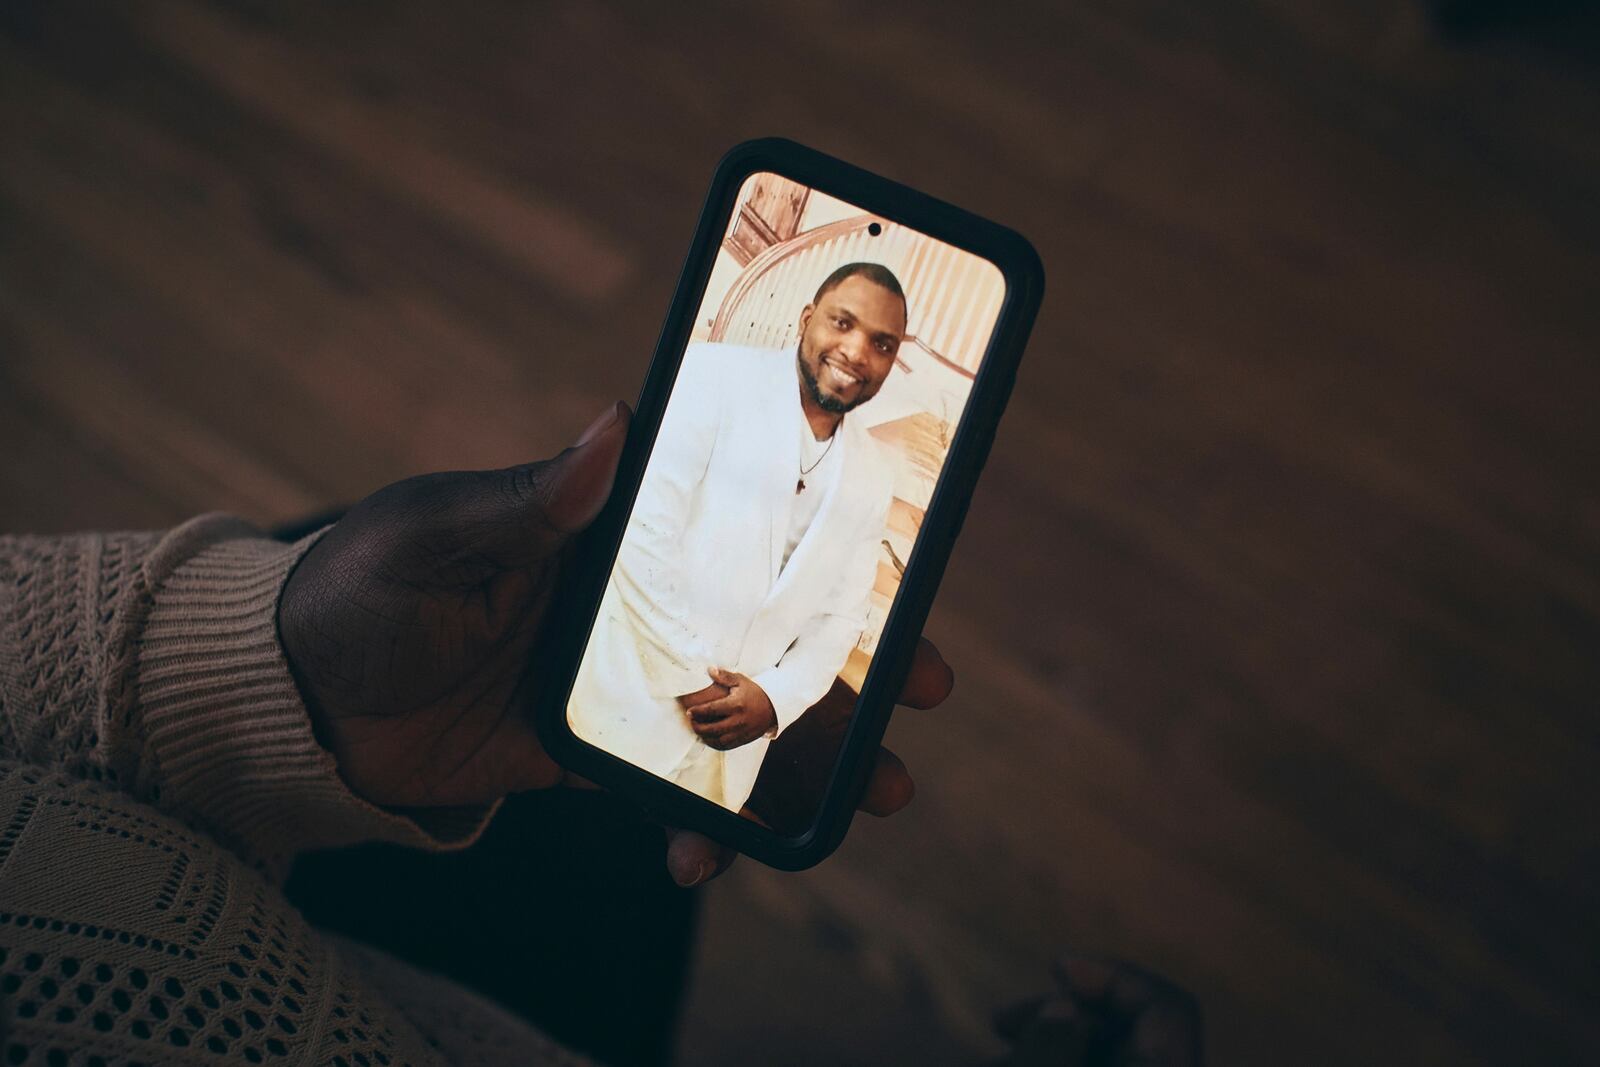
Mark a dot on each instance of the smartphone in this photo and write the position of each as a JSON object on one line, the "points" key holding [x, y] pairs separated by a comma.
{"points": [[740, 619]]}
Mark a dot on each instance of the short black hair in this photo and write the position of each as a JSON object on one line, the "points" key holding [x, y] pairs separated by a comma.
{"points": [[872, 272]]}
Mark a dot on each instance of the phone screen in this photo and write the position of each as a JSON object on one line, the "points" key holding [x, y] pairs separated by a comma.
{"points": [[827, 371]]}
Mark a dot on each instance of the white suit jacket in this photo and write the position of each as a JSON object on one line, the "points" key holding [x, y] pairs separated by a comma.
{"points": [[700, 581]]}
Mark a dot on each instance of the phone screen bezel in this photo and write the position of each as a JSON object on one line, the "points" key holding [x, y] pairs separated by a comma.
{"points": [[589, 566]]}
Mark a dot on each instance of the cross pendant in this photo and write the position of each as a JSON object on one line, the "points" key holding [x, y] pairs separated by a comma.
{"points": [[799, 486]]}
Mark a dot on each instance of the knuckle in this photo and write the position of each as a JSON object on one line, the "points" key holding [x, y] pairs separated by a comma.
{"points": [[532, 483], [526, 492], [527, 483]]}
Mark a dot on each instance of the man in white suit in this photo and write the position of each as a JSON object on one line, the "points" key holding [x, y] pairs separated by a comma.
{"points": [[745, 573]]}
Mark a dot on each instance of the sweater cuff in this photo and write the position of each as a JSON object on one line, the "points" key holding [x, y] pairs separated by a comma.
{"points": [[227, 740]]}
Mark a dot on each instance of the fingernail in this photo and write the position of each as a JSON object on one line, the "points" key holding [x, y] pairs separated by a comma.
{"points": [[600, 425], [686, 879]]}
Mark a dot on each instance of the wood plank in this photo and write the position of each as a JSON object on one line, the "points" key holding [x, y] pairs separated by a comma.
{"points": [[1275, 614]]}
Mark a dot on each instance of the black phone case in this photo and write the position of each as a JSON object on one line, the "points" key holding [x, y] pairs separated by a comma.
{"points": [[578, 598]]}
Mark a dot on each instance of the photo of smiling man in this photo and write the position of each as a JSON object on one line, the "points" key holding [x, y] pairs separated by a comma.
{"points": [[746, 570]]}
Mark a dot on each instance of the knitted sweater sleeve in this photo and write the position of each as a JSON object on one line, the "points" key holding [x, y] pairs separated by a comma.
{"points": [[151, 661]]}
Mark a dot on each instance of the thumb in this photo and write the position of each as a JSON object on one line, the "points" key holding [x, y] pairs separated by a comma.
{"points": [[723, 677], [534, 507], [570, 489]]}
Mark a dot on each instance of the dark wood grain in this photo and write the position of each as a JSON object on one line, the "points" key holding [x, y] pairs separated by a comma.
{"points": [[1276, 615]]}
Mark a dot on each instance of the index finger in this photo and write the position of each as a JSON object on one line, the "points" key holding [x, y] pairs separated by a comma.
{"points": [[930, 679], [713, 710], [702, 696]]}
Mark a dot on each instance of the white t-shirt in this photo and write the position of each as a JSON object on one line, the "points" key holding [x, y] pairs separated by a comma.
{"points": [[825, 456]]}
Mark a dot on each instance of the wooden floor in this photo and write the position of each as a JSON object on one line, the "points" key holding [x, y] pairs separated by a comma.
{"points": [[1277, 614]]}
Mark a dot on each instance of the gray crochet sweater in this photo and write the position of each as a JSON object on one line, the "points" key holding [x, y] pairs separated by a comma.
{"points": [[157, 774]]}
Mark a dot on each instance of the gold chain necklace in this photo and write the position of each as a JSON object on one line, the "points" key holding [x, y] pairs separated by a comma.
{"points": [[800, 483]]}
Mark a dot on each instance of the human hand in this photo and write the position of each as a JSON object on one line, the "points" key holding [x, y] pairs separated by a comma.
{"points": [[701, 696], [1105, 1013], [735, 718], [889, 786], [409, 626], [409, 629]]}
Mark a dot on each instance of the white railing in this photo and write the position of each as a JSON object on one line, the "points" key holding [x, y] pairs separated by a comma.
{"points": [[952, 297]]}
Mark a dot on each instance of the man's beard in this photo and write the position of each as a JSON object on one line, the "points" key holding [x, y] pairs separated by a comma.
{"points": [[832, 405]]}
